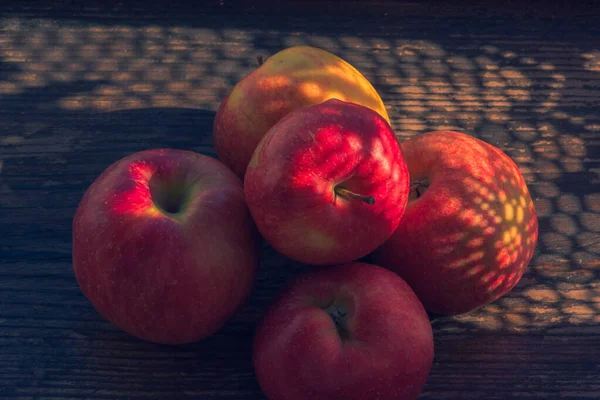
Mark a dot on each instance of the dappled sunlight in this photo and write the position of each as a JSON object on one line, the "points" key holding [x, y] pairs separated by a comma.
{"points": [[592, 61], [493, 100], [534, 100], [135, 67]]}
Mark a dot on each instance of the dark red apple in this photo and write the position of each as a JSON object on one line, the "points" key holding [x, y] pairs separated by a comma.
{"points": [[470, 227], [164, 246], [328, 183], [349, 332]]}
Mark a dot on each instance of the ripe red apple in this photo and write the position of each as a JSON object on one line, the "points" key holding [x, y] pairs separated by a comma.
{"points": [[164, 246], [293, 78], [349, 332], [470, 227], [327, 184]]}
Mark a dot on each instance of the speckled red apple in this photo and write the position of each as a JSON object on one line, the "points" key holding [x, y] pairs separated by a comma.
{"points": [[349, 332], [470, 228], [164, 246], [328, 183]]}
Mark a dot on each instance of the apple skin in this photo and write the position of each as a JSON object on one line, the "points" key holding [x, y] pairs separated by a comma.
{"points": [[467, 240], [293, 78], [166, 277], [383, 351], [292, 179]]}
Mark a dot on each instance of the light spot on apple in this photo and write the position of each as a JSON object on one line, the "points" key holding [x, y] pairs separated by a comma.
{"points": [[447, 208], [468, 216], [274, 82], [152, 211], [320, 241], [509, 212], [311, 90], [378, 152], [274, 106], [141, 170], [475, 242], [506, 237], [497, 282], [354, 142], [396, 173], [513, 256], [513, 232], [377, 148], [518, 240], [520, 214], [488, 277], [522, 201], [502, 196], [476, 270], [504, 257], [472, 258]]}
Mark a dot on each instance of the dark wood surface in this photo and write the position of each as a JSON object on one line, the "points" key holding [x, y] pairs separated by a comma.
{"points": [[82, 86]]}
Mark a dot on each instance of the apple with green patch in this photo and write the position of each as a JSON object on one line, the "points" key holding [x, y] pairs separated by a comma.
{"points": [[164, 246], [349, 332], [293, 78], [470, 227], [328, 183]]}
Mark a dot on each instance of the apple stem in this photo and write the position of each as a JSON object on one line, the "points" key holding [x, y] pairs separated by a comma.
{"points": [[260, 60], [339, 315], [417, 188], [342, 191]]}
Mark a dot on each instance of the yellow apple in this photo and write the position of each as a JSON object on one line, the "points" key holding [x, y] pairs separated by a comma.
{"points": [[291, 79]]}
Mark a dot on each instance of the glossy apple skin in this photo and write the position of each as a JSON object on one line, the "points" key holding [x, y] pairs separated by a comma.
{"points": [[298, 353], [468, 239], [293, 78], [291, 178], [165, 278]]}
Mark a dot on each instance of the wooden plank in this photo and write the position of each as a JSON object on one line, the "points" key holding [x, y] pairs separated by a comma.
{"points": [[81, 88]]}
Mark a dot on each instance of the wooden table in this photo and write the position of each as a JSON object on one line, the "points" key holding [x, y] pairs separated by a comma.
{"points": [[81, 87]]}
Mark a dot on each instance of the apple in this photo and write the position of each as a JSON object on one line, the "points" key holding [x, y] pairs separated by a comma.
{"points": [[327, 184], [293, 78], [470, 227], [164, 246], [349, 332]]}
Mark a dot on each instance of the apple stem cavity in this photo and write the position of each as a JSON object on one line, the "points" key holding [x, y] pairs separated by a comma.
{"points": [[418, 188], [170, 199], [348, 194], [339, 315]]}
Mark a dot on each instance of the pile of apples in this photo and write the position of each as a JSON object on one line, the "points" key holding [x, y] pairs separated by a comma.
{"points": [[166, 241]]}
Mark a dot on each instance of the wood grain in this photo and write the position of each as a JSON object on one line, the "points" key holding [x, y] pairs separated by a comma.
{"points": [[82, 87]]}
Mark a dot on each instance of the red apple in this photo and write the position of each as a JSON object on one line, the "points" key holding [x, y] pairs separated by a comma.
{"points": [[293, 78], [164, 246], [470, 227], [327, 184], [349, 332]]}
